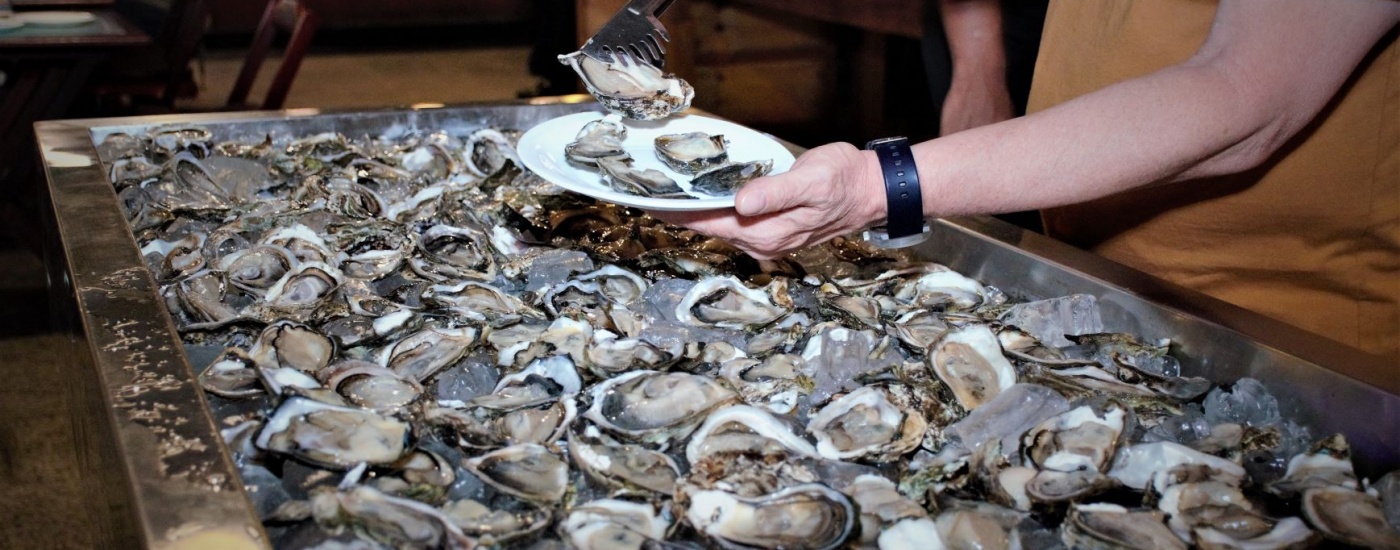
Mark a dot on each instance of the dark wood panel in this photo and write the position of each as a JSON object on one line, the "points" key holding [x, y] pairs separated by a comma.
{"points": [[237, 16], [897, 17]]}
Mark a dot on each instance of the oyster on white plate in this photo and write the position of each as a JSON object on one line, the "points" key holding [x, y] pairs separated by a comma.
{"points": [[622, 175], [598, 139], [726, 179], [692, 152]]}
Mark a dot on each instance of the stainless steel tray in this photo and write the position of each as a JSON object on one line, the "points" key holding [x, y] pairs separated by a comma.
{"points": [[161, 477]]}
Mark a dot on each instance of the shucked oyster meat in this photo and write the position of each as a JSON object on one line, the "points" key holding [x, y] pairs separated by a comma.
{"points": [[599, 139], [726, 179], [634, 90], [691, 152], [622, 174]]}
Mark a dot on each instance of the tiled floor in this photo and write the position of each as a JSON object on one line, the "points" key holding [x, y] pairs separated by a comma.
{"points": [[40, 493]]}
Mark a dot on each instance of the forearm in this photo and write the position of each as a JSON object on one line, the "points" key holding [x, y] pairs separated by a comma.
{"points": [[1087, 148], [1224, 111]]}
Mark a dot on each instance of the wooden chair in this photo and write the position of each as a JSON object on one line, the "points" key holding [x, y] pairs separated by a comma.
{"points": [[289, 16]]}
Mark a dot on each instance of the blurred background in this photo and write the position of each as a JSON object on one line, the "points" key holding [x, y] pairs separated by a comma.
{"points": [[810, 72]]}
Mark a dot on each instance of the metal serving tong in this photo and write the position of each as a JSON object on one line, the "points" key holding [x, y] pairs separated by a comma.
{"points": [[635, 32]]}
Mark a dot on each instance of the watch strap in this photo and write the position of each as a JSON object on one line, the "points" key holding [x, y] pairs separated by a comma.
{"points": [[903, 196]]}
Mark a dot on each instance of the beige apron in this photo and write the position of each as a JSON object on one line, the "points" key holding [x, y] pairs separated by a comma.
{"points": [[1311, 237]]}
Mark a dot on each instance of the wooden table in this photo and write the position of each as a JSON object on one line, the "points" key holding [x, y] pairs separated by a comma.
{"points": [[44, 70]]}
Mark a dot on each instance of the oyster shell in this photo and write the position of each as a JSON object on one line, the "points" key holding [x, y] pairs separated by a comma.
{"points": [[727, 303], [620, 174], [543, 380], [804, 516], [1081, 439], [655, 407], [1212, 505], [303, 289], [1287, 533], [488, 150], [1151, 465], [399, 522], [286, 344], [255, 270], [741, 429], [332, 436], [422, 354], [1111, 526], [774, 383], [495, 527], [448, 253], [371, 386], [231, 375], [1327, 464], [598, 139], [634, 90], [607, 355], [969, 361], [726, 179], [526, 471], [480, 302], [692, 152], [609, 524], [626, 467], [864, 424], [883, 509], [1349, 516], [482, 427], [936, 286]]}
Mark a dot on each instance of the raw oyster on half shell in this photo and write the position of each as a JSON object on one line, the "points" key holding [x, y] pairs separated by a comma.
{"points": [[691, 152], [726, 179], [634, 90]]}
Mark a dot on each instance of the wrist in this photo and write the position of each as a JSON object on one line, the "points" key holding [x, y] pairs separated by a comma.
{"points": [[871, 184]]}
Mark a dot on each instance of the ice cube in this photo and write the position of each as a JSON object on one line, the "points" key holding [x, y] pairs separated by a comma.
{"points": [[476, 375], [1008, 415], [1248, 404], [1187, 428], [836, 356], [661, 298], [554, 267], [1050, 320]]}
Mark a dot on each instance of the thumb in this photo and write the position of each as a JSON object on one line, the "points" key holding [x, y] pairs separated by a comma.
{"points": [[767, 195]]}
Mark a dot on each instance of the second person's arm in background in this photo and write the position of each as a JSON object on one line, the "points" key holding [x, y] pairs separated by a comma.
{"points": [[978, 94]]}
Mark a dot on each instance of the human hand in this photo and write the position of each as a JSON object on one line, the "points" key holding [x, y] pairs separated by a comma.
{"points": [[830, 191]]}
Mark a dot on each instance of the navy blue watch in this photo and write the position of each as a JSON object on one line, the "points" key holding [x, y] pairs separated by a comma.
{"points": [[904, 218]]}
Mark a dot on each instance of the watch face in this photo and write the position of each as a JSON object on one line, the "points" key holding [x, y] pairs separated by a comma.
{"points": [[875, 142]]}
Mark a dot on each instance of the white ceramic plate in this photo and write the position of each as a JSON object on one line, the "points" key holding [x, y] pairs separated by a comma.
{"points": [[10, 23], [56, 18], [541, 149]]}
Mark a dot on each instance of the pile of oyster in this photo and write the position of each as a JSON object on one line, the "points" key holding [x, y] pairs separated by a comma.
{"points": [[412, 343], [599, 146]]}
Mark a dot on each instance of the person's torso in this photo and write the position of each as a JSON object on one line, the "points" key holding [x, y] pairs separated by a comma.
{"points": [[1311, 237]]}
